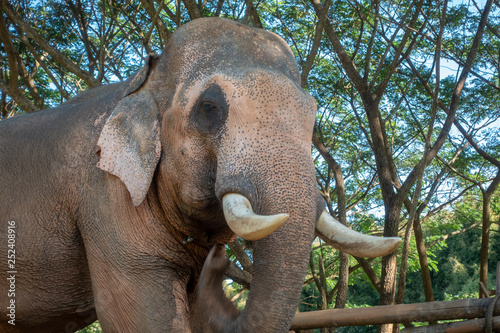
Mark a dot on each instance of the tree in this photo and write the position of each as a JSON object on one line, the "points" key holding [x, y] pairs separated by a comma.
{"points": [[402, 145]]}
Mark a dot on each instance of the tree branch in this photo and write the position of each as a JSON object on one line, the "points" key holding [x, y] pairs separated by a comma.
{"points": [[57, 55], [193, 9], [165, 34], [316, 43], [12, 87], [412, 177], [251, 12], [346, 61], [456, 232]]}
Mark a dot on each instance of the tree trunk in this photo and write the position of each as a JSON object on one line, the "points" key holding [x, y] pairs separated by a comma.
{"points": [[485, 237], [422, 257], [389, 266]]}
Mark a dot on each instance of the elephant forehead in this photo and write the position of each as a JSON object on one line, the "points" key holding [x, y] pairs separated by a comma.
{"points": [[267, 98], [210, 45]]}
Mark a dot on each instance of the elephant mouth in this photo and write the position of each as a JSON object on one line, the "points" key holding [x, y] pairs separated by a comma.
{"points": [[248, 225]]}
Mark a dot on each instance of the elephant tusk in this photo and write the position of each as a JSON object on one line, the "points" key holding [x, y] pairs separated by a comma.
{"points": [[244, 222], [349, 241]]}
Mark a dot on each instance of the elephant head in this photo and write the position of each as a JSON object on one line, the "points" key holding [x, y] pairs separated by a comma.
{"points": [[219, 130]]}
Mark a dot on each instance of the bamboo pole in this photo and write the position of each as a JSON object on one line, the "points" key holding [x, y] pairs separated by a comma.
{"points": [[384, 314], [468, 326]]}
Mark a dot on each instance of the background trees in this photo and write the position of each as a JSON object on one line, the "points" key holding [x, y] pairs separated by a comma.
{"points": [[407, 133]]}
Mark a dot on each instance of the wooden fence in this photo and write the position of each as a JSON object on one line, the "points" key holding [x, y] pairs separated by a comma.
{"points": [[484, 314]]}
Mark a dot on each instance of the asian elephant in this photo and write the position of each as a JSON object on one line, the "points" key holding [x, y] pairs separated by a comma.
{"points": [[116, 197]]}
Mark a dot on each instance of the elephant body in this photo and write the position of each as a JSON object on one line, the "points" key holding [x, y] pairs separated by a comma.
{"points": [[119, 194], [91, 238], [48, 163]]}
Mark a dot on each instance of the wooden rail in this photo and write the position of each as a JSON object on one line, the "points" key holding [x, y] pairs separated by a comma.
{"points": [[385, 314]]}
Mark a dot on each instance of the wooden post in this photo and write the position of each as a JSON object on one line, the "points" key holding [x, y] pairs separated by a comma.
{"points": [[377, 315], [485, 291]]}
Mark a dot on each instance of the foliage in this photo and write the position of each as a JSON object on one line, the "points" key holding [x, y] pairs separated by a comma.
{"points": [[94, 328]]}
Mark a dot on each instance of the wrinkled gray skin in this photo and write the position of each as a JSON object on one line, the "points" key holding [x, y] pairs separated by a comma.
{"points": [[105, 188]]}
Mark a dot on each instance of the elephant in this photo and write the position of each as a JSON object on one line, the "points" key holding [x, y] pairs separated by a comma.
{"points": [[117, 204]]}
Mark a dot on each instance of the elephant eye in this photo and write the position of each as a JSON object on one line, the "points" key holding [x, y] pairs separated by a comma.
{"points": [[209, 108], [210, 111]]}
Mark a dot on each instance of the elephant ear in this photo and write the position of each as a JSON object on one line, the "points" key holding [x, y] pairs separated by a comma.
{"points": [[130, 139]]}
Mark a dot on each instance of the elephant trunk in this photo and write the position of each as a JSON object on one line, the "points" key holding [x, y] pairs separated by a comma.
{"points": [[280, 264], [280, 259]]}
